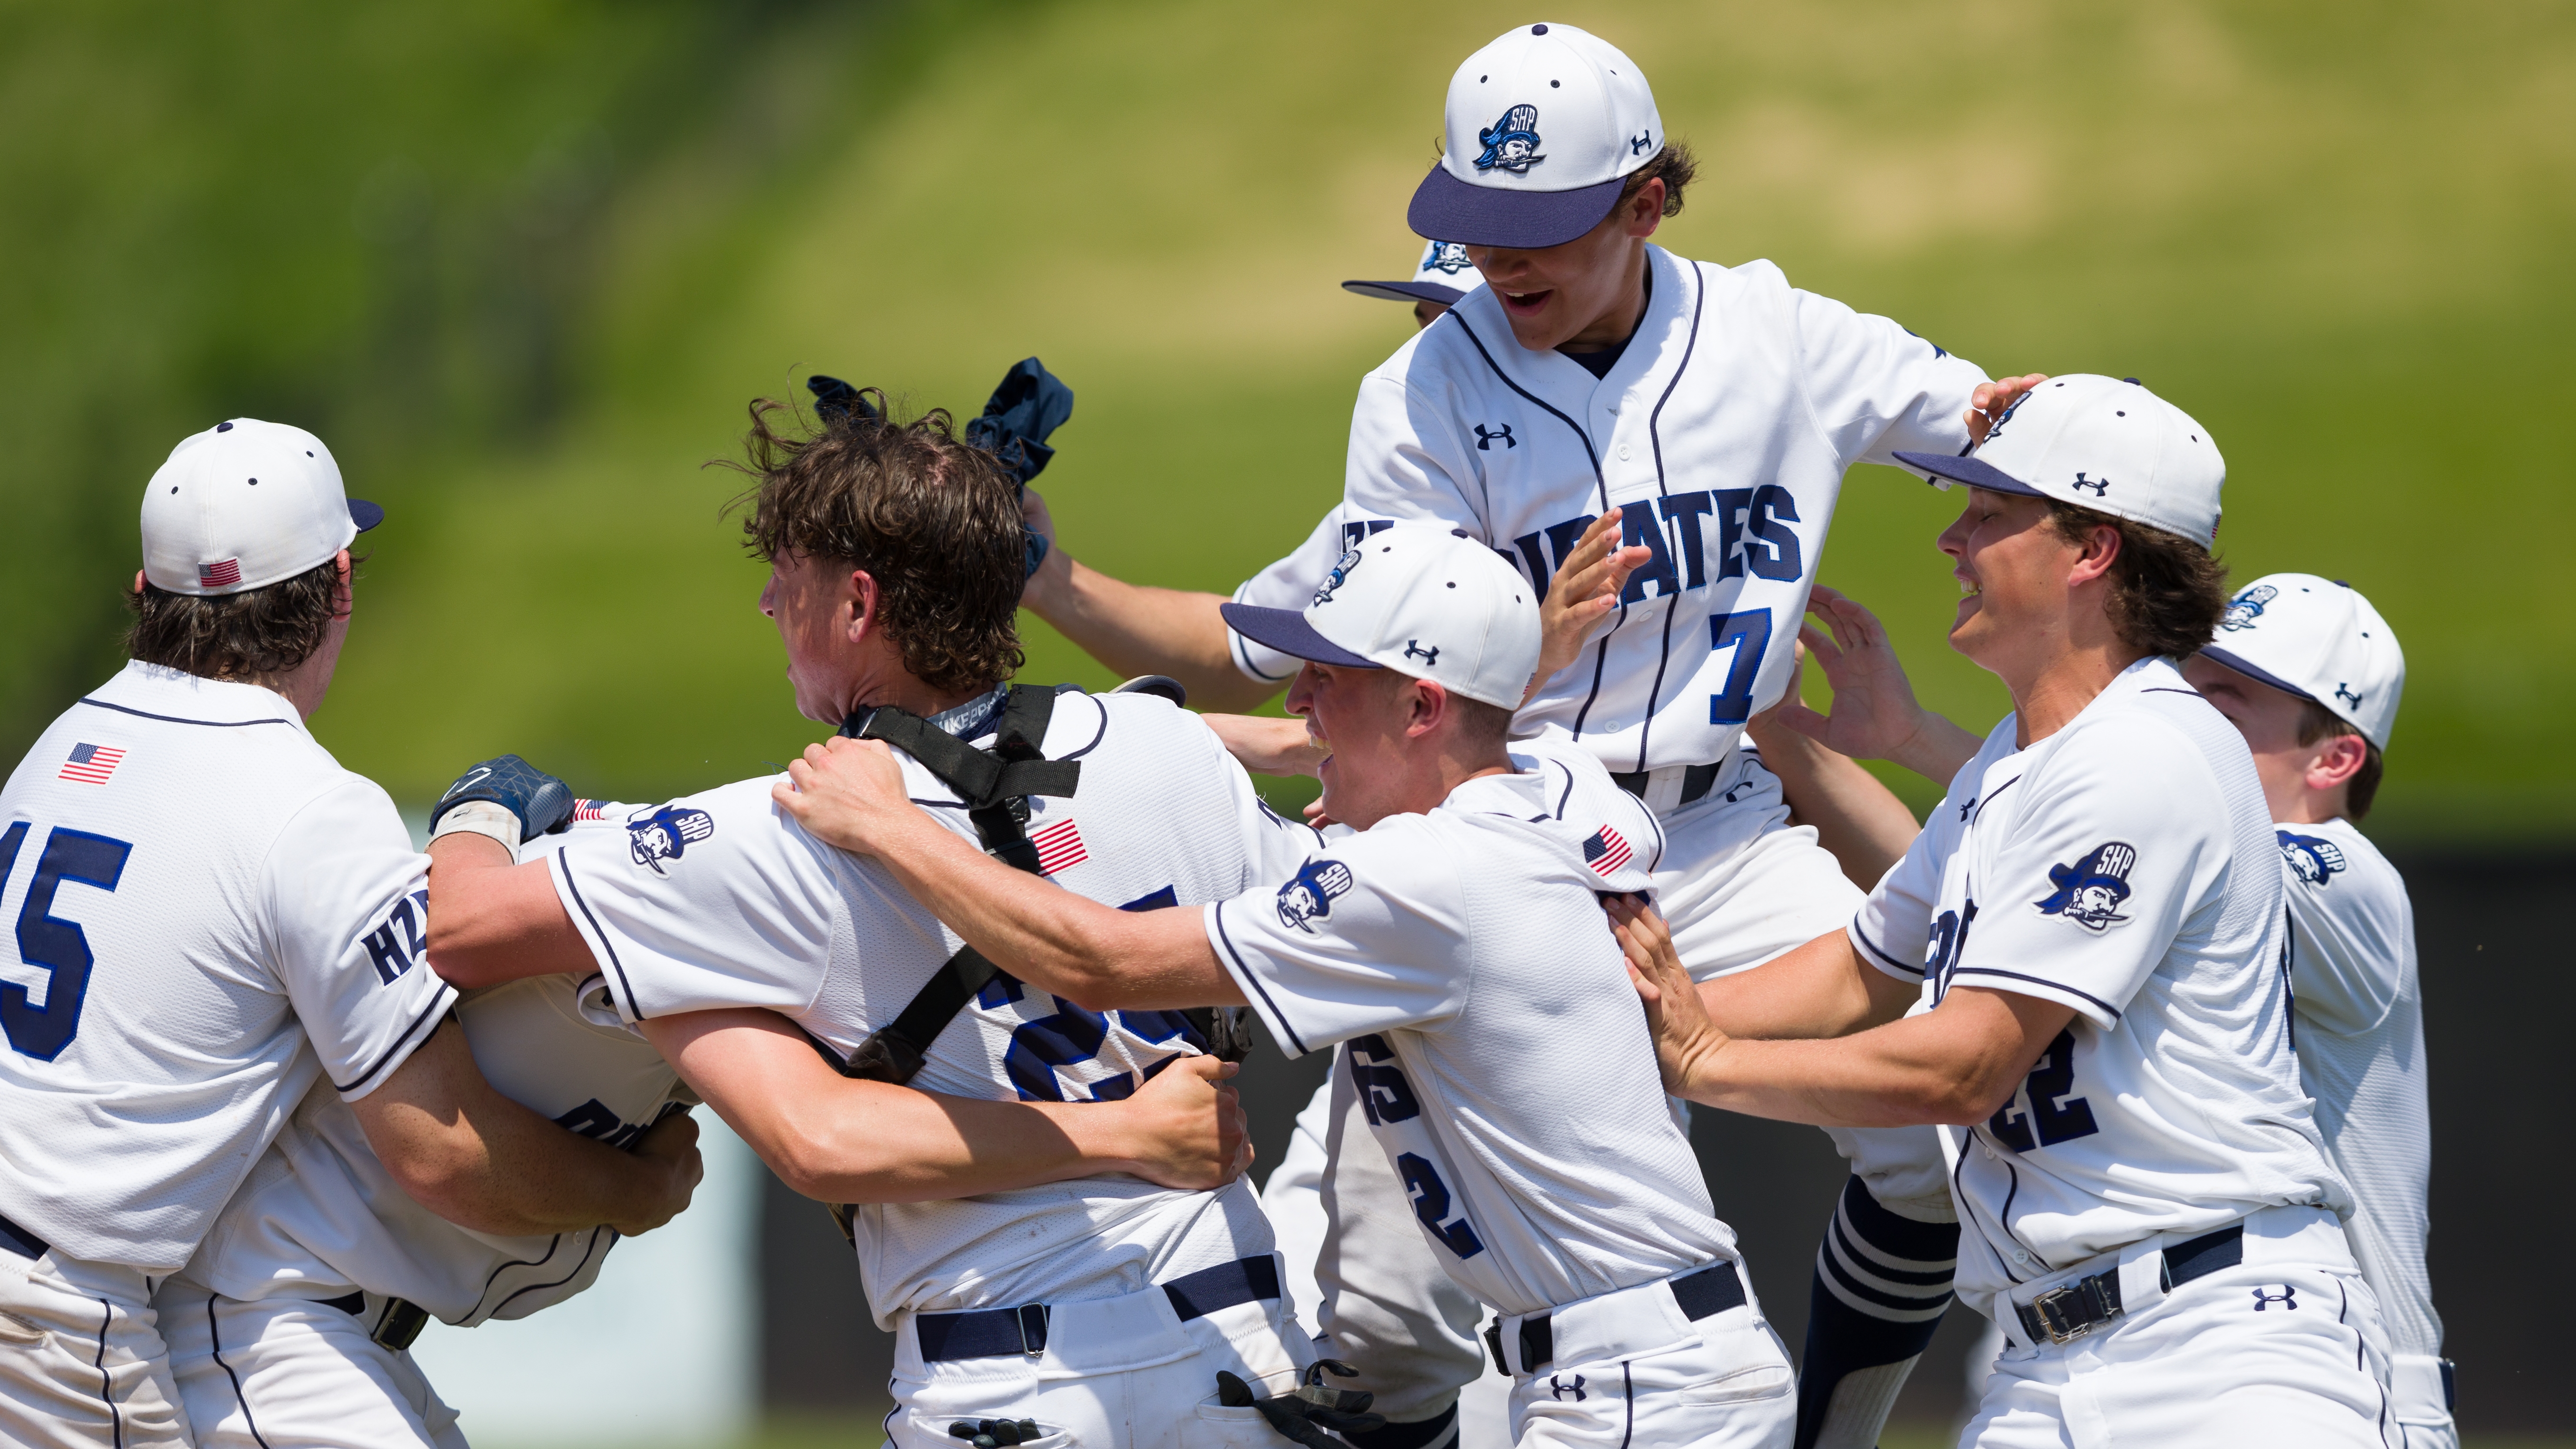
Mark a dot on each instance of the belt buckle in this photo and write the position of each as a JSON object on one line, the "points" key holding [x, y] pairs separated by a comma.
{"points": [[2069, 1313], [2052, 1310], [1031, 1316]]}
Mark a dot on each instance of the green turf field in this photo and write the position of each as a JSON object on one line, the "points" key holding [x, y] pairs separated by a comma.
{"points": [[525, 268]]}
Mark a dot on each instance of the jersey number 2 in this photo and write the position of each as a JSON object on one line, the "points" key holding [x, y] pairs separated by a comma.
{"points": [[1749, 635], [47, 940]]}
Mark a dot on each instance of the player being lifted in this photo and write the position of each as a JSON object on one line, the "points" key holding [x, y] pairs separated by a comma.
{"points": [[2094, 917], [1054, 1227], [213, 918], [1454, 944], [1702, 418], [2311, 675]]}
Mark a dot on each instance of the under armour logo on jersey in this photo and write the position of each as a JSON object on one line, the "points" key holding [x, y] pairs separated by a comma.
{"points": [[2101, 488], [2312, 858], [666, 834], [2287, 1298], [1558, 1388], [2247, 607], [1340, 575], [1311, 893], [1485, 440], [1737, 791], [2090, 891], [1511, 144], [2344, 692], [1447, 257], [1430, 657]]}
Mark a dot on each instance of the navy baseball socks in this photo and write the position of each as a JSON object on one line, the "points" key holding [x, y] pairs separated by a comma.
{"points": [[1882, 1283]]}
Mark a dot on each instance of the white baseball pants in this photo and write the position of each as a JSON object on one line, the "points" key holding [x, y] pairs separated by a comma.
{"points": [[291, 1373], [81, 1358]]}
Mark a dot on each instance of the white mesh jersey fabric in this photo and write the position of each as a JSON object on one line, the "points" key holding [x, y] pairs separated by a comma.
{"points": [[1495, 1041], [2361, 1053], [320, 1217], [2124, 866], [211, 915], [721, 899]]}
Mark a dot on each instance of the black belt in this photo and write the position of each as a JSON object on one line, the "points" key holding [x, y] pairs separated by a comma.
{"points": [[1007, 1332], [396, 1328], [2063, 1314], [1702, 1294], [1697, 781], [21, 1242]]}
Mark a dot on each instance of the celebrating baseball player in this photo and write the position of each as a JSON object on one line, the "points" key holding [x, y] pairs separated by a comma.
{"points": [[1609, 416], [212, 918], [2094, 920], [1445, 942], [2311, 675], [1061, 1235], [291, 1323]]}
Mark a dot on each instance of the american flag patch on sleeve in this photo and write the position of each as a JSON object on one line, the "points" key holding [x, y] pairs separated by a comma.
{"points": [[1059, 847], [1605, 850], [588, 810], [90, 764]]}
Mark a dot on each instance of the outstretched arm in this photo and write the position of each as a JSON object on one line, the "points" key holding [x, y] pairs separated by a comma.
{"points": [[1875, 715], [850, 793], [1955, 1064], [1859, 821], [482, 1161], [1136, 628], [842, 1140]]}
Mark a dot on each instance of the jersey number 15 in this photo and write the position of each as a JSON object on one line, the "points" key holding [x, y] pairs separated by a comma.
{"points": [[47, 940]]}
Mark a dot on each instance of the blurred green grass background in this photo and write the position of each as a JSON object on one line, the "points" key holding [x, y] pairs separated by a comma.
{"points": [[523, 265]]}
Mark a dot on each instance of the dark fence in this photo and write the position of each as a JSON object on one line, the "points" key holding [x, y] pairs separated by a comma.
{"points": [[2498, 1007]]}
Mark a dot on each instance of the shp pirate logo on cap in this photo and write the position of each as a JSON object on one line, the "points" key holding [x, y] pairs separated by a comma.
{"points": [[1430, 604], [2103, 443], [2319, 639], [1491, 188]]}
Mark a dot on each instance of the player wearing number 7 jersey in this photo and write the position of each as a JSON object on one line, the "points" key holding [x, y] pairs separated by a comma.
{"points": [[211, 917], [2091, 929], [1455, 943]]}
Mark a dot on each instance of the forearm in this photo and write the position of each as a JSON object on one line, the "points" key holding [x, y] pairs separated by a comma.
{"points": [[1858, 1081], [1059, 942], [874, 1142], [1857, 819], [1138, 629], [491, 920], [1820, 990], [1937, 750]]}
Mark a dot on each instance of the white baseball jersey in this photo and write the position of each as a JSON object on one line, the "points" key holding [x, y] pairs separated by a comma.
{"points": [[2123, 866], [1493, 1033], [721, 899], [2360, 1034], [211, 915], [320, 1217], [1723, 432]]}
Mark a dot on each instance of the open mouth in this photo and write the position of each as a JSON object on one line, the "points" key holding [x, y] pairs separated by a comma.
{"points": [[1525, 304]]}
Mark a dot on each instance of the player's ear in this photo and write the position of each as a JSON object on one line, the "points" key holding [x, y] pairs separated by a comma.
{"points": [[2337, 760], [1428, 707], [860, 597]]}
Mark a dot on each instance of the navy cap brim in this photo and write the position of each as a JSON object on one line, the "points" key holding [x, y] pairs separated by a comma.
{"points": [[1431, 292], [2258, 674], [1974, 471], [1287, 631], [1448, 209], [364, 514]]}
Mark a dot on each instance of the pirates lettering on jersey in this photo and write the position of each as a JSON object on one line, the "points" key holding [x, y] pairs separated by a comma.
{"points": [[2090, 891], [1310, 893], [1697, 539], [2313, 859], [666, 834]]}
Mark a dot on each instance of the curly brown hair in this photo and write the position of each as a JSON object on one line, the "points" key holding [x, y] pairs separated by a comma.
{"points": [[934, 519], [257, 633], [2167, 592], [1674, 166]]}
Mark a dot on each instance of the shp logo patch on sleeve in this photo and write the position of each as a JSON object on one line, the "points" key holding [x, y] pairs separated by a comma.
{"points": [[1310, 893], [2091, 891], [666, 834]]}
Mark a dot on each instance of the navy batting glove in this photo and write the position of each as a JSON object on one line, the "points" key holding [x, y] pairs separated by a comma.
{"points": [[542, 802]]}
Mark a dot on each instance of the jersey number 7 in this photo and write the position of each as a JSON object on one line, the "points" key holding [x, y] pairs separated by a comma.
{"points": [[47, 940], [1749, 635]]}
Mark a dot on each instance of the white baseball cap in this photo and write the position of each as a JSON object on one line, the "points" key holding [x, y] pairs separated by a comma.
{"points": [[2320, 640], [2103, 443], [1542, 126], [1444, 276], [243, 505], [1421, 600]]}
